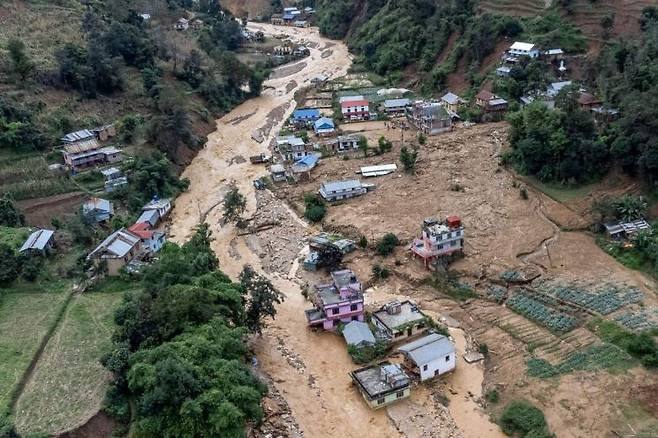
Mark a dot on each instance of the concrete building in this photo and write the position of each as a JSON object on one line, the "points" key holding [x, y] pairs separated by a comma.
{"points": [[278, 172], [353, 110], [338, 301], [452, 102], [152, 240], [429, 118], [338, 190], [430, 356], [519, 49], [396, 106], [291, 148], [439, 239], [400, 320], [382, 384], [88, 153], [162, 206]]}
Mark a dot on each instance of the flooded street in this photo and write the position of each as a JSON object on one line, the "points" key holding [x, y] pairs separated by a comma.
{"points": [[309, 369]]}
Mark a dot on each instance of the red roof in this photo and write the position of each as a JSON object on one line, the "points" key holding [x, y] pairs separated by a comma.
{"points": [[351, 103], [142, 230]]}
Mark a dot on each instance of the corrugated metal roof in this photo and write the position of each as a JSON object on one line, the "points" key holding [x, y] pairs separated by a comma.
{"points": [[451, 98], [77, 136], [149, 216], [309, 160], [82, 146], [350, 98], [428, 348], [351, 103], [323, 121], [337, 186], [380, 170], [396, 103], [117, 244], [97, 204], [526, 47], [357, 332], [37, 240], [304, 113]]}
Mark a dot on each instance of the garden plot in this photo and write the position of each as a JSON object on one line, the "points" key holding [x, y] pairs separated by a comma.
{"points": [[603, 299], [594, 357], [544, 310], [642, 320], [29, 178]]}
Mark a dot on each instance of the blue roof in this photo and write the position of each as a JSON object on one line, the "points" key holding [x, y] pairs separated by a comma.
{"points": [[288, 16], [309, 160], [319, 123], [306, 113]]}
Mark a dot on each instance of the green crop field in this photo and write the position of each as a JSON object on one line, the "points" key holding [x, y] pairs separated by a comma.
{"points": [[25, 318], [69, 383]]}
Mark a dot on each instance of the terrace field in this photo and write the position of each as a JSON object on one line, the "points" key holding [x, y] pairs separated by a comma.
{"points": [[68, 383]]}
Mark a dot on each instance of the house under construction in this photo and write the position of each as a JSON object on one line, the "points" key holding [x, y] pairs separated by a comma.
{"points": [[439, 240]]}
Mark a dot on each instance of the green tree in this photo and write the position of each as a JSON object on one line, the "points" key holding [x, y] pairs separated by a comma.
{"points": [[21, 63], [520, 418], [363, 145], [9, 266], [10, 215], [261, 297], [384, 145], [234, 205], [315, 208], [408, 159], [387, 244], [422, 139]]}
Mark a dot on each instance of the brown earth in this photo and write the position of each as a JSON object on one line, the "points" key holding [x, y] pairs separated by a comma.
{"points": [[99, 426], [457, 173], [39, 212]]}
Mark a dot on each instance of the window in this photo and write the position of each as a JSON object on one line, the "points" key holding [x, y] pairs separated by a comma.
{"points": [[424, 367], [453, 243], [334, 311], [380, 401], [355, 318], [354, 307], [399, 394], [448, 358]]}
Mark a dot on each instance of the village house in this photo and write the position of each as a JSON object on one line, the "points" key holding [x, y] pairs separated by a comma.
{"points": [[285, 49], [396, 106], [98, 210], [338, 301], [197, 24], [39, 242], [291, 148], [303, 116], [182, 24], [105, 132], [429, 356], [588, 101], [337, 190], [553, 89], [429, 118], [277, 20], [149, 217], [620, 229], [353, 98], [519, 49], [73, 137], [161, 206], [451, 102], [87, 153], [152, 240], [382, 384], [117, 250], [324, 127], [301, 23], [355, 110], [358, 334], [439, 239], [490, 103], [345, 143], [301, 169], [503, 71], [113, 179], [400, 320], [319, 80], [290, 15], [278, 172]]}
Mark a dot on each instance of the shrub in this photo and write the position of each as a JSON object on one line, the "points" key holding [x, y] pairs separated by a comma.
{"points": [[523, 192], [368, 353], [521, 418], [492, 396], [387, 244], [363, 242], [380, 272], [483, 349], [315, 208]]}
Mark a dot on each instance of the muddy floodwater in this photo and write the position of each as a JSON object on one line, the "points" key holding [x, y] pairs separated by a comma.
{"points": [[309, 369]]}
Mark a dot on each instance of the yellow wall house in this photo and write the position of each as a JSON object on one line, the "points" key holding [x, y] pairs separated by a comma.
{"points": [[119, 249], [382, 384]]}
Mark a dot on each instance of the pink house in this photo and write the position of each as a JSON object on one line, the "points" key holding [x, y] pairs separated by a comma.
{"points": [[339, 301]]}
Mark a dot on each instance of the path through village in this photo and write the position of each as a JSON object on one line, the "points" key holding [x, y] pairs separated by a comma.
{"points": [[309, 369]]}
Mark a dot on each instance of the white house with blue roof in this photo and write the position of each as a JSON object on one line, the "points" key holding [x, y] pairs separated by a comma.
{"points": [[324, 127], [431, 355]]}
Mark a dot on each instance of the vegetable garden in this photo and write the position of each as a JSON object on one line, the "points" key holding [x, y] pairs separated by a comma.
{"points": [[546, 312], [643, 320], [595, 357], [603, 299]]}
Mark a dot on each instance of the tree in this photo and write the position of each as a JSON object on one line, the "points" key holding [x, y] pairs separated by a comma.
{"points": [[363, 242], [422, 139], [384, 145], [193, 72], [387, 244], [10, 215], [363, 145], [316, 209], [261, 297], [234, 205], [21, 63], [9, 266], [408, 159]]}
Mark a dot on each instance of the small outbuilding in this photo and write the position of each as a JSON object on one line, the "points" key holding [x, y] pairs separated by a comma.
{"points": [[358, 334], [39, 242]]}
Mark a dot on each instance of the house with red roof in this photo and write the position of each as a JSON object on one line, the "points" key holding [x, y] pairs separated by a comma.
{"points": [[358, 109], [152, 240]]}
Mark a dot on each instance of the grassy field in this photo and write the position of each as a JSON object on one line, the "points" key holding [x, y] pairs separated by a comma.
{"points": [[69, 383], [26, 315], [14, 237], [558, 192]]}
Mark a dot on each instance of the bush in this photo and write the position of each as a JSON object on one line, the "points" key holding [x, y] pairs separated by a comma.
{"points": [[483, 349], [315, 208], [387, 244], [492, 396], [520, 418], [363, 242], [380, 272], [368, 353]]}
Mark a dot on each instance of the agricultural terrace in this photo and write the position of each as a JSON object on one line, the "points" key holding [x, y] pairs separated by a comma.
{"points": [[50, 403], [28, 311], [27, 178]]}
